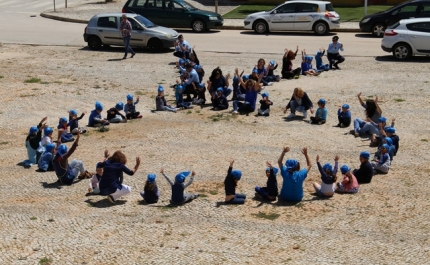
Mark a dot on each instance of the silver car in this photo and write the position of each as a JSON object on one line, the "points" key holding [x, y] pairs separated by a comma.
{"points": [[103, 29]]}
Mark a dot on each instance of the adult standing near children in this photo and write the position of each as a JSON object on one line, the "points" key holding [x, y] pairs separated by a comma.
{"points": [[112, 178], [287, 65], [182, 48], [373, 113], [333, 55], [292, 186], [125, 28], [299, 102]]}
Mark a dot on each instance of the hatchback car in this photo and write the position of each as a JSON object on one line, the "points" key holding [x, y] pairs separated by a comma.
{"points": [[174, 14], [318, 16], [408, 37], [103, 29], [378, 22]]}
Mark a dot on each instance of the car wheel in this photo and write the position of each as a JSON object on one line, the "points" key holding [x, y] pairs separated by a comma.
{"points": [[155, 45], [378, 30], [198, 25], [94, 43], [321, 28], [261, 27], [402, 51]]}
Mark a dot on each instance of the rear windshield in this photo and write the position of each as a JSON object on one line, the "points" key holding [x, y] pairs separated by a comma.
{"points": [[329, 7], [394, 25], [144, 21]]}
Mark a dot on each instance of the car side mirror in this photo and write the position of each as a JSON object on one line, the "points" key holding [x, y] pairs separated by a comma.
{"points": [[275, 12]]}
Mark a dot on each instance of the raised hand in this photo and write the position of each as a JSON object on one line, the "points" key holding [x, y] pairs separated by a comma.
{"points": [[286, 149], [336, 158], [305, 151], [317, 158]]}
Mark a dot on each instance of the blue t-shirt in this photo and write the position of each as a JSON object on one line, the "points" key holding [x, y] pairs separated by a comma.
{"points": [[251, 97], [305, 67], [292, 186], [93, 115], [321, 113]]}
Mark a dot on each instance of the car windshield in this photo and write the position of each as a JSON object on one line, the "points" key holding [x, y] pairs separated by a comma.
{"points": [[329, 7], [188, 6], [144, 21]]}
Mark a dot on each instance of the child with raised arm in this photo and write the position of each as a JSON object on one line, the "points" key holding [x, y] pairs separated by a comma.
{"points": [[32, 142], [349, 183], [319, 62], [271, 191], [95, 179], [307, 65], [63, 130], [178, 187], [328, 177], [47, 139], [130, 108], [230, 183], [74, 122], [150, 193]]}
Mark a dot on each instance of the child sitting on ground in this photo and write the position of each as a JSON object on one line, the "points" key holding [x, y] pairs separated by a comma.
{"points": [[114, 115], [265, 104], [150, 193], [376, 139], [74, 122], [238, 90], [391, 149], [95, 179], [320, 114], [179, 94], [307, 65], [45, 162], [32, 142], [344, 116], [178, 187], [160, 102], [318, 60], [219, 101], [271, 77], [391, 133], [349, 183], [328, 177], [382, 164], [230, 183], [47, 139], [365, 173], [200, 99], [63, 129], [130, 108], [96, 119], [271, 191]]}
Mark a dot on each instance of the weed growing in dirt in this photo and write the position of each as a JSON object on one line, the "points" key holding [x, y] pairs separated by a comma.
{"points": [[139, 93], [32, 80], [269, 216], [103, 129], [45, 261], [399, 100], [33, 218]]}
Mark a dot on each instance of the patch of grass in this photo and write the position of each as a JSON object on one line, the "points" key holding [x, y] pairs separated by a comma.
{"points": [[103, 129], [424, 140], [33, 218], [26, 95], [44, 83], [222, 238], [197, 111], [3, 77], [32, 80], [425, 82], [242, 11], [189, 112], [203, 195], [269, 216], [139, 93], [45, 261], [57, 82], [221, 116], [51, 220], [97, 87], [213, 192], [4, 143], [399, 100], [167, 233]]}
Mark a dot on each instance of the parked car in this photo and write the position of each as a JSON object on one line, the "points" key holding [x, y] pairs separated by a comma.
{"points": [[408, 37], [318, 16], [378, 22], [103, 29], [174, 14]]}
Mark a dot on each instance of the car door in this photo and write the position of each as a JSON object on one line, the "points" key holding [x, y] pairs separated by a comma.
{"points": [[108, 30], [419, 36], [282, 18], [404, 12], [138, 36], [306, 14], [154, 12], [176, 15]]}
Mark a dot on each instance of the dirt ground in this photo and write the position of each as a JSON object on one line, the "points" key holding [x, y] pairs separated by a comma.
{"points": [[386, 222]]}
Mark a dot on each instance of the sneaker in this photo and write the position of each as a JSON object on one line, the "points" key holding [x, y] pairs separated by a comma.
{"points": [[132, 55], [305, 114], [342, 125], [352, 131], [235, 112], [270, 84], [356, 134], [338, 125], [111, 199], [292, 115], [232, 110]]}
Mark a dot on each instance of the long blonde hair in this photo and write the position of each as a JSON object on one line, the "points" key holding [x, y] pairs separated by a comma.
{"points": [[298, 91]]}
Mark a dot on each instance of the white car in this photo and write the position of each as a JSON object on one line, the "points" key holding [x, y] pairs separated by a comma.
{"points": [[318, 16], [408, 37]]}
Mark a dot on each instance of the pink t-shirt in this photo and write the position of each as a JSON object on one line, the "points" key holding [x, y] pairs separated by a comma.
{"points": [[347, 186]]}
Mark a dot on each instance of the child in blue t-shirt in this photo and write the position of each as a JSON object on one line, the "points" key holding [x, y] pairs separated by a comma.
{"points": [[328, 177], [45, 162], [178, 187], [318, 60], [271, 191], [150, 193], [307, 65], [179, 94], [320, 114], [344, 116], [96, 119]]}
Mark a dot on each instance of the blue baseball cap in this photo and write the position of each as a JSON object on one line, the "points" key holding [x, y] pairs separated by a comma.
{"points": [[62, 149], [73, 112], [119, 106], [197, 66], [255, 70], [265, 94], [310, 58], [291, 163], [181, 61], [99, 106], [245, 77], [327, 166], [382, 119], [275, 170], [48, 130], [182, 176], [179, 87], [129, 97], [33, 130], [385, 146], [220, 89], [344, 169], [388, 140], [200, 85], [272, 62], [160, 88], [321, 101], [345, 106], [63, 119], [237, 174], [390, 130], [365, 154], [49, 147], [151, 178]]}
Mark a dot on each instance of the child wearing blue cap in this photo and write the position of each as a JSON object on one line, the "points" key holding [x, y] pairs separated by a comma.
{"points": [[66, 172], [219, 101], [63, 130], [45, 162], [230, 183], [150, 193], [95, 179], [130, 108], [178, 187], [293, 176], [320, 114], [328, 177], [271, 191], [32, 142], [114, 115], [343, 116], [349, 183], [200, 99], [47, 139], [365, 173], [260, 69], [391, 148], [391, 133], [307, 65], [376, 139], [179, 95], [252, 88], [74, 122], [319, 62], [161, 103], [271, 77], [382, 163], [265, 104], [95, 119]]}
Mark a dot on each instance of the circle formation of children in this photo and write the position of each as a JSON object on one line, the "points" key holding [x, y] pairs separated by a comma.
{"points": [[52, 155]]}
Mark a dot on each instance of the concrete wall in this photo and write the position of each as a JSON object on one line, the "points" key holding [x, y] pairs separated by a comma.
{"points": [[335, 2]]}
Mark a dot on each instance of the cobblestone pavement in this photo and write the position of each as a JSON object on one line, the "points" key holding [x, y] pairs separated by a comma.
{"points": [[385, 223]]}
